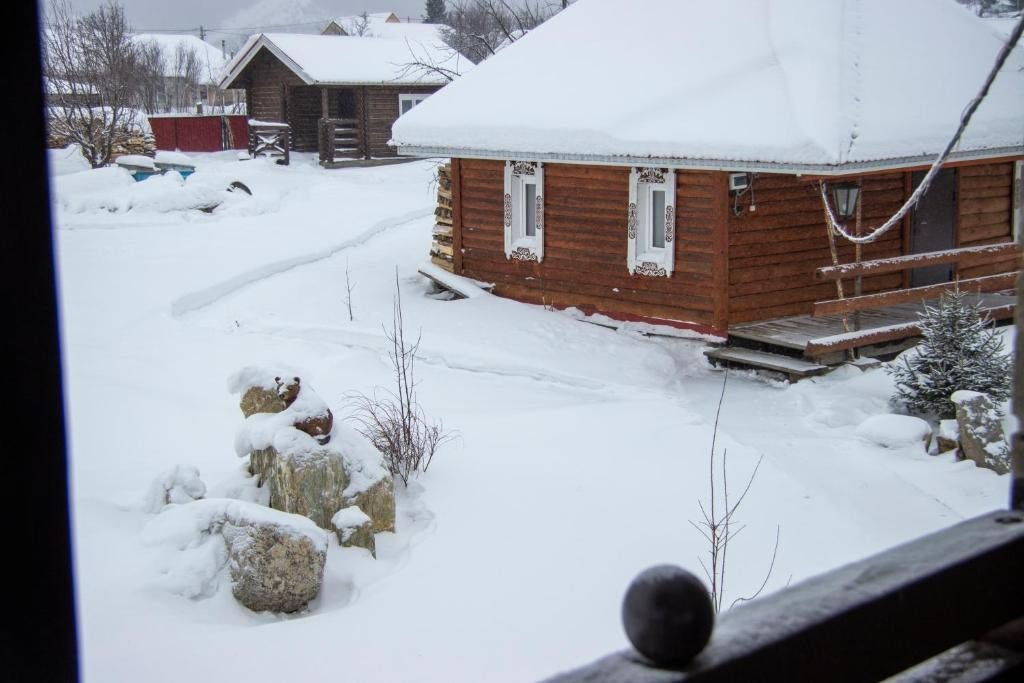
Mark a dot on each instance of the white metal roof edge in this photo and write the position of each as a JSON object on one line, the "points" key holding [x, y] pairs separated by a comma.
{"points": [[711, 164]]}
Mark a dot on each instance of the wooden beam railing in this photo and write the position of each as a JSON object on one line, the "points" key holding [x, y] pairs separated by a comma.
{"points": [[862, 622], [965, 256], [272, 139], [988, 283], [340, 139]]}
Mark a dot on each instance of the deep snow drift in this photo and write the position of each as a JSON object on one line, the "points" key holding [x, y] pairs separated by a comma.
{"points": [[581, 456]]}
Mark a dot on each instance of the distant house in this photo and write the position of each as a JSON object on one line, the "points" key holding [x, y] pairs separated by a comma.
{"points": [[351, 26], [668, 171], [339, 94]]}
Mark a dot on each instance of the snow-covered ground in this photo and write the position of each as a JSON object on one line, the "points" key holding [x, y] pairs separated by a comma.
{"points": [[581, 451]]}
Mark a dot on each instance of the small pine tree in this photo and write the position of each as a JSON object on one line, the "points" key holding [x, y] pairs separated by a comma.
{"points": [[959, 351], [436, 12]]}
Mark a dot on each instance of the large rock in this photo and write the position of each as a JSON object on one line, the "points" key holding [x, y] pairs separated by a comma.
{"points": [[273, 567], [354, 529], [309, 483], [981, 431]]}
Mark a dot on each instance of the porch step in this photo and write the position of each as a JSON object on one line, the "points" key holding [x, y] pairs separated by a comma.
{"points": [[792, 368]]}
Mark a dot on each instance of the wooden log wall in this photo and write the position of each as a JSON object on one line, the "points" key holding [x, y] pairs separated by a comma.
{"points": [[985, 202], [774, 250], [265, 79], [382, 112], [731, 267], [304, 112], [585, 243]]}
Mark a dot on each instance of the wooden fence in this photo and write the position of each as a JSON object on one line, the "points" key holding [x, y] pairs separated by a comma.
{"points": [[340, 139], [270, 139]]}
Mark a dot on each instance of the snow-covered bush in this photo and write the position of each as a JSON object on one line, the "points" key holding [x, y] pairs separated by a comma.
{"points": [[959, 352]]}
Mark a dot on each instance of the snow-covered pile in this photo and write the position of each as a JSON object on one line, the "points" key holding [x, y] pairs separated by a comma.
{"points": [[180, 484], [895, 431]]}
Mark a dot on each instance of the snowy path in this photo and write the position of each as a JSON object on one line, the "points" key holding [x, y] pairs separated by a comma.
{"points": [[580, 457]]}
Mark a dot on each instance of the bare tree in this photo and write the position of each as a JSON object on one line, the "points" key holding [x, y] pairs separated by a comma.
{"points": [[360, 26], [348, 292], [719, 526], [91, 65], [185, 77], [150, 83], [480, 28]]}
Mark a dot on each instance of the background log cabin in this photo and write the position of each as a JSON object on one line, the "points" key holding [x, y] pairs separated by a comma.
{"points": [[340, 95]]}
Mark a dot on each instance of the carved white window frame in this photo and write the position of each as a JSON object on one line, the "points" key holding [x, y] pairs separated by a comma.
{"points": [[518, 245], [642, 257], [412, 98]]}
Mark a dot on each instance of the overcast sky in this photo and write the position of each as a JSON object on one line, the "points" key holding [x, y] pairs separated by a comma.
{"points": [[147, 15]]}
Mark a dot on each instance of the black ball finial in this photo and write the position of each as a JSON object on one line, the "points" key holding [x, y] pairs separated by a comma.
{"points": [[667, 615]]}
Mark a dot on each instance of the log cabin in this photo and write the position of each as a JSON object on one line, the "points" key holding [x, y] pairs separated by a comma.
{"points": [[339, 95], [673, 171]]}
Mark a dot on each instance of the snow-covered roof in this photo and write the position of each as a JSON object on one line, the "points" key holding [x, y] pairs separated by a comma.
{"points": [[344, 60], [762, 84], [373, 19], [211, 58]]}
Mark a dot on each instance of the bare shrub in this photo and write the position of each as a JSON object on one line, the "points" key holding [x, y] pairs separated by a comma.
{"points": [[718, 525], [393, 420]]}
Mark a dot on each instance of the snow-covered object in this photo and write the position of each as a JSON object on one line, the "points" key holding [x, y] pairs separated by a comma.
{"points": [[173, 158], [766, 84], [343, 60], [981, 431], [112, 190], [66, 160], [136, 161], [195, 532], [303, 409], [895, 431], [180, 484]]}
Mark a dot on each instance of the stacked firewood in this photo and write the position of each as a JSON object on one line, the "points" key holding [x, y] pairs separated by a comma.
{"points": [[441, 250], [134, 143]]}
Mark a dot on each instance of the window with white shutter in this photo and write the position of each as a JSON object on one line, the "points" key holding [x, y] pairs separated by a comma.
{"points": [[651, 222], [524, 211]]}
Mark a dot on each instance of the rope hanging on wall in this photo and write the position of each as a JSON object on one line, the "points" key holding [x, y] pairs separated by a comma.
{"points": [[965, 119]]}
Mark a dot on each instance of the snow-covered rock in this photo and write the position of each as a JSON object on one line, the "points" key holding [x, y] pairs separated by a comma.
{"points": [[354, 528], [180, 484], [275, 566], [275, 559], [981, 431], [895, 431]]}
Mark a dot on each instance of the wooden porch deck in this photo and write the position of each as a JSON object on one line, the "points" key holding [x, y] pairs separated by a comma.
{"points": [[820, 336]]}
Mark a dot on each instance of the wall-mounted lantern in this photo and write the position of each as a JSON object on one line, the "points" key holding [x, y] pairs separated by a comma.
{"points": [[844, 198]]}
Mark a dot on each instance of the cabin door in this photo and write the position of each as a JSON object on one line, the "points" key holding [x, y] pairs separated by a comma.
{"points": [[933, 227]]}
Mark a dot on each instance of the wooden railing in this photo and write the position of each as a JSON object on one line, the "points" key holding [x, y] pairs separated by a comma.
{"points": [[270, 139], [863, 622], [966, 256], [340, 139]]}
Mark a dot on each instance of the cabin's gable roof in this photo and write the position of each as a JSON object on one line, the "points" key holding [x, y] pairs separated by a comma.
{"points": [[782, 83], [343, 60]]}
